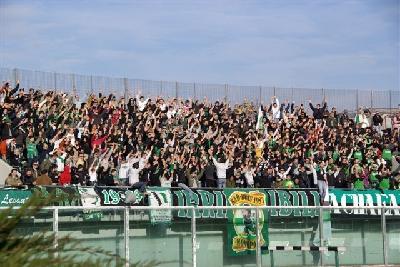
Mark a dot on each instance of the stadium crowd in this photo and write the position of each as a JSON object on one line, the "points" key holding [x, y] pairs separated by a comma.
{"points": [[53, 138]]}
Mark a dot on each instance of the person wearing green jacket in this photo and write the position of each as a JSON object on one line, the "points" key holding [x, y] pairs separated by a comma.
{"points": [[31, 150]]}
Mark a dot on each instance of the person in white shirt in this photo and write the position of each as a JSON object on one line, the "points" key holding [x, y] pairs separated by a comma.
{"points": [[133, 173], [104, 159], [93, 172], [2, 97], [142, 158], [162, 104], [221, 172], [276, 109], [123, 172], [282, 174], [171, 112], [249, 175], [57, 143], [361, 119], [141, 102], [70, 136], [60, 161]]}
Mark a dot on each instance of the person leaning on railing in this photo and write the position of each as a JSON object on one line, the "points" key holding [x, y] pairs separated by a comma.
{"points": [[13, 179], [43, 179]]}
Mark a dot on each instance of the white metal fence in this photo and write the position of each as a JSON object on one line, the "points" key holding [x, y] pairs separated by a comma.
{"points": [[83, 85], [129, 210]]}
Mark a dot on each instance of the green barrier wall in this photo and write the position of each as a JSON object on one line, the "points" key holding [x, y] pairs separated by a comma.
{"points": [[167, 237]]}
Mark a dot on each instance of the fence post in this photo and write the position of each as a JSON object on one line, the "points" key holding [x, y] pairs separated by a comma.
{"points": [[292, 95], [111, 85], [390, 101], [55, 81], [55, 229], [161, 88], [321, 232], [226, 93], [73, 84], [91, 84], [383, 222], [357, 100], [323, 94], [258, 245], [126, 90], [371, 99], [260, 95], [15, 75], [194, 91], [176, 90], [126, 235], [194, 241], [274, 91]]}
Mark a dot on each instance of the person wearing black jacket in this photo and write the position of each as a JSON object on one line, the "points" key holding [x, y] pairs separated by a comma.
{"points": [[107, 178], [5, 134], [377, 122], [303, 176], [151, 174], [6, 129], [318, 112], [10, 93], [27, 178], [209, 173], [179, 176], [340, 179], [265, 178], [79, 176], [146, 173]]}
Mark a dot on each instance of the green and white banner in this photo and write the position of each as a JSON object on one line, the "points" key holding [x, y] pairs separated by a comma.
{"points": [[242, 223], [160, 197], [68, 196], [13, 197], [364, 198], [91, 199], [116, 196]]}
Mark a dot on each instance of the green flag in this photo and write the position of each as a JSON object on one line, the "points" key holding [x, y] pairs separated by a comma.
{"points": [[242, 224]]}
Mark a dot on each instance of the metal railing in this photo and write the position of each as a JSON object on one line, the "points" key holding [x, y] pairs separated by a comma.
{"points": [[127, 209], [84, 85]]}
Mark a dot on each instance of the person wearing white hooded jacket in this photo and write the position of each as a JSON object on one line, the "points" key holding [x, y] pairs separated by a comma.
{"points": [[136, 165], [221, 172], [141, 102], [249, 175], [140, 157], [133, 173], [275, 109]]}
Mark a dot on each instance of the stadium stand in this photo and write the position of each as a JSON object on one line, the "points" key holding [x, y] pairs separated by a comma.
{"points": [[53, 138]]}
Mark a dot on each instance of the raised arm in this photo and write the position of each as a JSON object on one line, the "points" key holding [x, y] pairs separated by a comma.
{"points": [[311, 106], [149, 154], [276, 101], [350, 154], [288, 170], [287, 108], [13, 91], [325, 105], [215, 161]]}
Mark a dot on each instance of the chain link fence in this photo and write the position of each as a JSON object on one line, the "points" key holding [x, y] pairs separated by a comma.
{"points": [[84, 85]]}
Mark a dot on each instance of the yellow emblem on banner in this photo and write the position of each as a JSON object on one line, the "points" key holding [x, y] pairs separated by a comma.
{"points": [[251, 198]]}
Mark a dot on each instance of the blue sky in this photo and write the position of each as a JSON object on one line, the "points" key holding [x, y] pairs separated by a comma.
{"points": [[311, 44]]}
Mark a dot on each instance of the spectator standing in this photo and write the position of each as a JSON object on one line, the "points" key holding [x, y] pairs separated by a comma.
{"points": [[221, 172]]}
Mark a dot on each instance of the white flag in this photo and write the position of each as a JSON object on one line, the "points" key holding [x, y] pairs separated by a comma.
{"points": [[260, 120]]}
